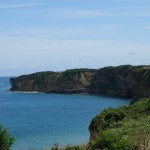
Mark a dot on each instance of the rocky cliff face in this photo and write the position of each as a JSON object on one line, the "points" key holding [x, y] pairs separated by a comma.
{"points": [[70, 81], [122, 81]]}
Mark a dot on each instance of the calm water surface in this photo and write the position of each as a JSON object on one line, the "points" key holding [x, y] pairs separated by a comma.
{"points": [[40, 120]]}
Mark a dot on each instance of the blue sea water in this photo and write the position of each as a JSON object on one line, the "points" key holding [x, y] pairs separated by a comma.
{"points": [[40, 120]]}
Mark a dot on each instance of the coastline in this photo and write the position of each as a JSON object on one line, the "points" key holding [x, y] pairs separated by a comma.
{"points": [[26, 92], [105, 96], [125, 81]]}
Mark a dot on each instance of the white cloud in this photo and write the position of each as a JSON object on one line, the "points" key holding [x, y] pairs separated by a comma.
{"points": [[110, 12], [35, 50], [32, 53], [32, 66], [20, 5], [79, 13], [147, 27], [61, 32], [13, 66]]}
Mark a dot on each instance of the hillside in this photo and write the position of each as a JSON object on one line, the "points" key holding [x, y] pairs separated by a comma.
{"points": [[125, 128]]}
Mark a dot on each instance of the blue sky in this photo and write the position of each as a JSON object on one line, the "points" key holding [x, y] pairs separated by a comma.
{"points": [[41, 35]]}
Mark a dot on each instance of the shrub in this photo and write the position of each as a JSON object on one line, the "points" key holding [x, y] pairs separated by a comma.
{"points": [[6, 140]]}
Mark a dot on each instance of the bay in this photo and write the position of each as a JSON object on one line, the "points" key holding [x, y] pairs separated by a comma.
{"points": [[40, 120]]}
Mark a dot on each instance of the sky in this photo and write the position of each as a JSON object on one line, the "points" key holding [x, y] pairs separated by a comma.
{"points": [[55, 35]]}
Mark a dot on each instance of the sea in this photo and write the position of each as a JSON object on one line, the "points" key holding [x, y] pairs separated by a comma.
{"points": [[39, 120]]}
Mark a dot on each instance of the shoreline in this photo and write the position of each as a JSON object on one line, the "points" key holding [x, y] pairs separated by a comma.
{"points": [[61, 93], [26, 92]]}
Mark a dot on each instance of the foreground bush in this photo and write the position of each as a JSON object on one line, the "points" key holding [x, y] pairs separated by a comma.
{"points": [[125, 128], [6, 140]]}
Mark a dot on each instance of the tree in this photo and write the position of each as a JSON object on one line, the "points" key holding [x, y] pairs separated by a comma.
{"points": [[6, 140]]}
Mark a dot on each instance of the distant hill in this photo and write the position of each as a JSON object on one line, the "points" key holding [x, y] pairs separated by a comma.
{"points": [[124, 81]]}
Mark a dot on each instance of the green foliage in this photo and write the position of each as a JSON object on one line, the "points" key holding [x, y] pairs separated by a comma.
{"points": [[71, 147], [78, 147], [112, 140], [125, 128], [81, 70], [6, 140]]}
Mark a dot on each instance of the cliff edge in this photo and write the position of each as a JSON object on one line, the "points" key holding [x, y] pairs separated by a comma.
{"points": [[69, 81], [123, 81]]}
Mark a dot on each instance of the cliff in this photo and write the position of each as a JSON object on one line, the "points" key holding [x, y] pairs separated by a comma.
{"points": [[123, 81], [69, 81]]}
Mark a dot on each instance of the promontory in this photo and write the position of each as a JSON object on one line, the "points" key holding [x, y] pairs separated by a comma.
{"points": [[124, 81]]}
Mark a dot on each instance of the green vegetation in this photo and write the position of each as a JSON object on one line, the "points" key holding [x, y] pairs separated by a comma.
{"points": [[6, 140], [71, 147], [125, 128]]}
